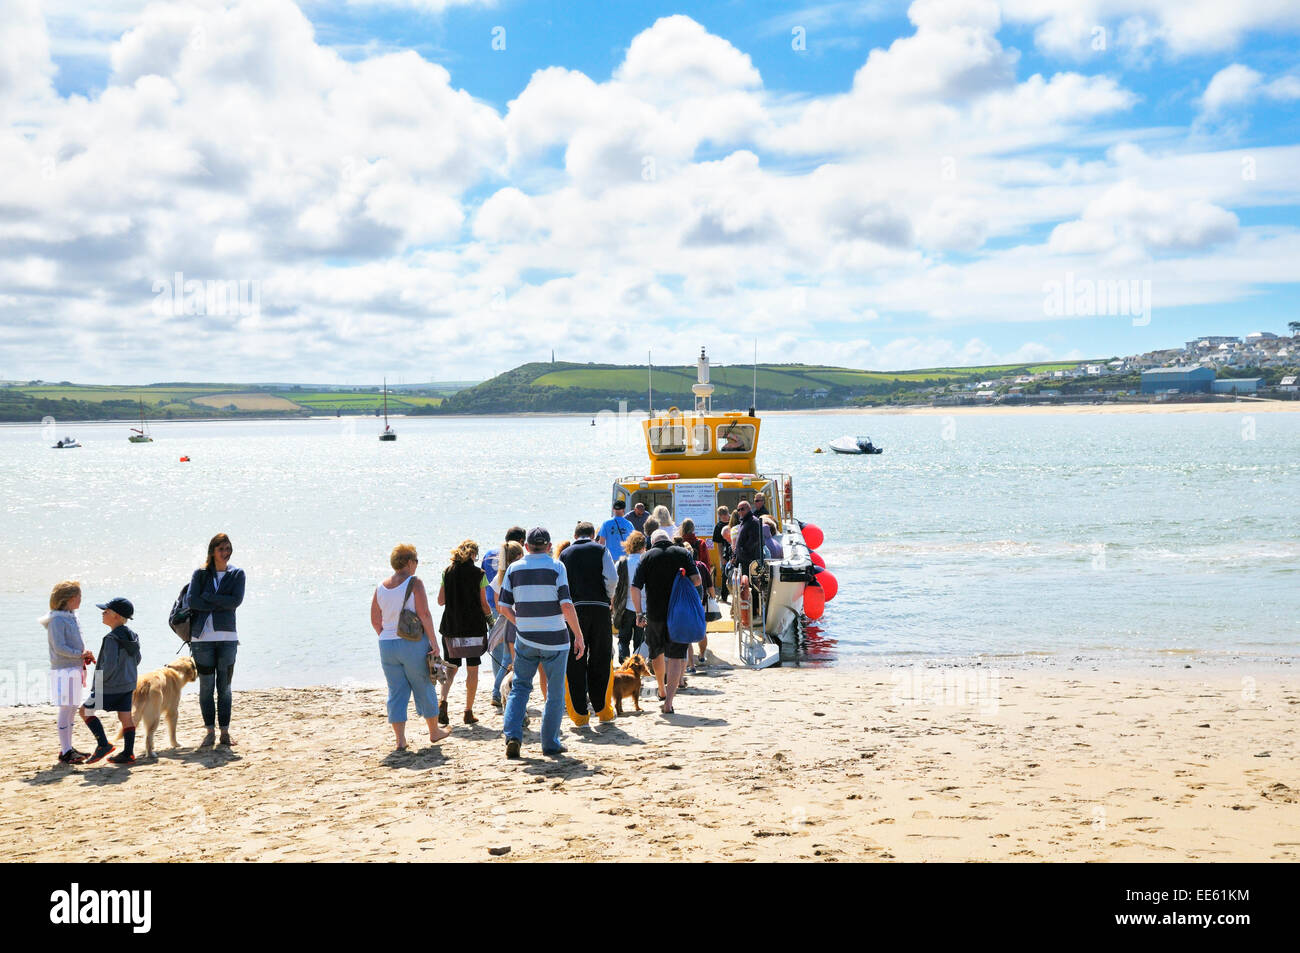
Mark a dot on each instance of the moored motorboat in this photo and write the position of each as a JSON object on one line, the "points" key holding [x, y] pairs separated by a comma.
{"points": [[858, 445]]}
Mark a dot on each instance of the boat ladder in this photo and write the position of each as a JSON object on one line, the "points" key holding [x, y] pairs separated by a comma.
{"points": [[752, 645]]}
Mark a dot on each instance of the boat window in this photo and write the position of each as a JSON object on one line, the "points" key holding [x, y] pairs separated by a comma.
{"points": [[668, 439], [651, 499], [736, 438], [730, 497], [700, 439]]}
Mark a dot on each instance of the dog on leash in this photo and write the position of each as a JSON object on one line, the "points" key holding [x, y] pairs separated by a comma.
{"points": [[627, 681], [157, 694]]}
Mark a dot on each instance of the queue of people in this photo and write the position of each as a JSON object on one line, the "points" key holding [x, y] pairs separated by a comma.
{"points": [[536, 611], [548, 613]]}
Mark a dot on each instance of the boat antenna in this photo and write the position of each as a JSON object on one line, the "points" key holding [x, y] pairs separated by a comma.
{"points": [[650, 385], [754, 402]]}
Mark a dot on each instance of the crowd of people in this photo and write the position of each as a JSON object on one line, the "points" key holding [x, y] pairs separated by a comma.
{"points": [[545, 612], [537, 610]]}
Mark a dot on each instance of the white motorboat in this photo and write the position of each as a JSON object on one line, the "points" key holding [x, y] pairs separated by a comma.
{"points": [[855, 445]]}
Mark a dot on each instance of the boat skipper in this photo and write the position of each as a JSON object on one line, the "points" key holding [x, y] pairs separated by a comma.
{"points": [[592, 581]]}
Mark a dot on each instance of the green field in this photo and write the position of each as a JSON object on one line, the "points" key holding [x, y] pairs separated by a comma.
{"points": [[349, 400], [150, 395], [180, 401]]}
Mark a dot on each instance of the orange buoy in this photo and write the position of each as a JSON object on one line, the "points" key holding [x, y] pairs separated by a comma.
{"points": [[816, 558], [812, 535], [185, 459], [830, 585]]}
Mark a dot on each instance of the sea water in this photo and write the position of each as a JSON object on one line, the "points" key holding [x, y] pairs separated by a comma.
{"points": [[1104, 536]]}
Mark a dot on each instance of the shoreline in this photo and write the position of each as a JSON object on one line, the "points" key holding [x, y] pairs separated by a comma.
{"points": [[788, 764], [1249, 406]]}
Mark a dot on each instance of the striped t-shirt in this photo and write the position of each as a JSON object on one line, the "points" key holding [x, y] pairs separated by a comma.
{"points": [[535, 587]]}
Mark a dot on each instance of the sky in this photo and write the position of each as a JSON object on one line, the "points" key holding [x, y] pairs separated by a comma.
{"points": [[331, 192]]}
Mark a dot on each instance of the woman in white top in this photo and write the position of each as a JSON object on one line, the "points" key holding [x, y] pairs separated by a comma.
{"points": [[665, 521], [406, 664]]}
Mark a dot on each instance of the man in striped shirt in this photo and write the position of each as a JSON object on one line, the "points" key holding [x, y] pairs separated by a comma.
{"points": [[535, 597]]}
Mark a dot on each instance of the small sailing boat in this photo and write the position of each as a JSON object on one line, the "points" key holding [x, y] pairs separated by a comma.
{"points": [[140, 434], [389, 433]]}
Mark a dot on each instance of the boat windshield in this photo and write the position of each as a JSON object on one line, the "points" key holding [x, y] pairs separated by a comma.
{"points": [[735, 438], [675, 438]]}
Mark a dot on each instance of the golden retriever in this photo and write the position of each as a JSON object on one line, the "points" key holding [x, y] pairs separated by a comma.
{"points": [[159, 693]]}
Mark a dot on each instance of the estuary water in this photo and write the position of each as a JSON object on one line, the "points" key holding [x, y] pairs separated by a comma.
{"points": [[1115, 537]]}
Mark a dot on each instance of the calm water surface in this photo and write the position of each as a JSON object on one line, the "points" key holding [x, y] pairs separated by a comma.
{"points": [[1105, 536]]}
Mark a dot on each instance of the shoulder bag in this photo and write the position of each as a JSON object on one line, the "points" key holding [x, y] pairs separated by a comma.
{"points": [[409, 626]]}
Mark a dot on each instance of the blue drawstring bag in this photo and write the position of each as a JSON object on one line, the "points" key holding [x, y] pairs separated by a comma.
{"points": [[685, 611]]}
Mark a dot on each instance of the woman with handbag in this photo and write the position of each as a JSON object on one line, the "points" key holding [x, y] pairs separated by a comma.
{"points": [[464, 623], [399, 613]]}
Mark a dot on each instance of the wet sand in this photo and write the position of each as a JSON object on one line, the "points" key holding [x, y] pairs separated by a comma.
{"points": [[787, 764]]}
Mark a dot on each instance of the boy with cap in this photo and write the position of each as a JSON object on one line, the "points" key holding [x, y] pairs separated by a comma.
{"points": [[115, 678]]}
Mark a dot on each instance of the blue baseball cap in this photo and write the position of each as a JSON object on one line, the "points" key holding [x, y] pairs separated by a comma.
{"points": [[120, 605]]}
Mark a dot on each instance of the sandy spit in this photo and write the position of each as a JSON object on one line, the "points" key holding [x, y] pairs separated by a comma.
{"points": [[788, 764]]}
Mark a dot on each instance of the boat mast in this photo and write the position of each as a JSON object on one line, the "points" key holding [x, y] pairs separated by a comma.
{"points": [[385, 402], [650, 384], [754, 401]]}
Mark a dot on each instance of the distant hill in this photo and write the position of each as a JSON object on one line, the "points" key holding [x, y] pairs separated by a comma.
{"points": [[32, 401], [587, 388]]}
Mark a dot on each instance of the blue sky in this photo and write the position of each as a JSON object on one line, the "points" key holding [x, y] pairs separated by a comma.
{"points": [[667, 172]]}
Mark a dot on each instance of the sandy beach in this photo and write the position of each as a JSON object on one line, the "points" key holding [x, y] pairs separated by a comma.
{"points": [[963, 764]]}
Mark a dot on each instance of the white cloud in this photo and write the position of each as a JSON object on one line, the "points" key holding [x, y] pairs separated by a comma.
{"points": [[1239, 85], [1183, 27], [25, 65], [1136, 222], [691, 202]]}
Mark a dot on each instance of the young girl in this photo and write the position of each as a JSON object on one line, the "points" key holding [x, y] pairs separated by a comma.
{"points": [[68, 660]]}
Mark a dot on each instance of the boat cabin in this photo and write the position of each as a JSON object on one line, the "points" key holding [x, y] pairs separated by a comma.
{"points": [[701, 460]]}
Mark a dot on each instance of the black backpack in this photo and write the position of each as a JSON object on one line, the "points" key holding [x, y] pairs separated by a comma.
{"points": [[179, 617]]}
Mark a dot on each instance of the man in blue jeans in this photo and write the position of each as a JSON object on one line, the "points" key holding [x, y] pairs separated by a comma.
{"points": [[535, 597]]}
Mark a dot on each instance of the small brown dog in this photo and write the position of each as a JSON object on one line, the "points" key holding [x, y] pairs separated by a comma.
{"points": [[159, 693], [627, 681]]}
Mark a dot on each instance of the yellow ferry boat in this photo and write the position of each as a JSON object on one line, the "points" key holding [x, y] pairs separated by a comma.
{"points": [[702, 460]]}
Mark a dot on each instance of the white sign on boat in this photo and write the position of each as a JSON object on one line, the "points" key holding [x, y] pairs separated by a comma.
{"points": [[695, 501]]}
